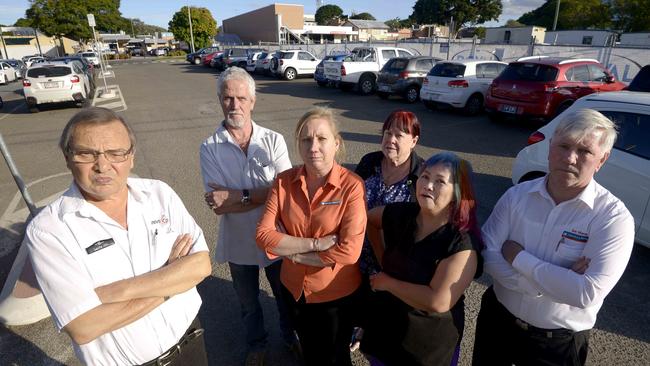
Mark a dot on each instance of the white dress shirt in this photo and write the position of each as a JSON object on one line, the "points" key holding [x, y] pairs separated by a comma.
{"points": [[223, 162], [539, 287], [60, 241]]}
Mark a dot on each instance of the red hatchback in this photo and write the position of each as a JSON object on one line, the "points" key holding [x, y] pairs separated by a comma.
{"points": [[542, 87], [209, 56]]}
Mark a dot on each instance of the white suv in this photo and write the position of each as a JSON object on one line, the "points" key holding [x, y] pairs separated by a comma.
{"points": [[91, 57], [55, 82], [627, 171], [460, 84], [291, 63]]}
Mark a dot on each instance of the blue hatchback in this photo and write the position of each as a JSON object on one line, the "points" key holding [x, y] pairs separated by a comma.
{"points": [[319, 74]]}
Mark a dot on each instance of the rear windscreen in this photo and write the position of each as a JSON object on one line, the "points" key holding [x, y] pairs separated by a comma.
{"points": [[285, 55], [396, 64], [447, 70], [530, 72], [88, 54], [49, 72]]}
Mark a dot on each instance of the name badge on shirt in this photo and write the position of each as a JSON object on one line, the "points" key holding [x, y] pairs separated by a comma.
{"points": [[580, 238], [99, 245], [329, 203]]}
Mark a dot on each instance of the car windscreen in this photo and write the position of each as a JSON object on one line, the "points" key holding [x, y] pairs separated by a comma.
{"points": [[13, 63], [88, 54], [395, 65], [447, 70], [49, 72], [641, 81], [529, 72]]}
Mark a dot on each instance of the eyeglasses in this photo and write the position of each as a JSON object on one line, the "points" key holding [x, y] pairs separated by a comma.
{"points": [[91, 156]]}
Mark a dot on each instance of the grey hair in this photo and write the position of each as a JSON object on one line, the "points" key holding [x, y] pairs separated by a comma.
{"points": [[235, 73], [92, 116], [580, 123]]}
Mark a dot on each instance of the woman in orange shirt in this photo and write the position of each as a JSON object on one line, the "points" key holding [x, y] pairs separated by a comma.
{"points": [[315, 218]]}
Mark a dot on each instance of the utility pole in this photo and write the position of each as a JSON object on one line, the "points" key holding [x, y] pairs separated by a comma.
{"points": [[557, 13], [132, 31], [189, 17], [37, 41]]}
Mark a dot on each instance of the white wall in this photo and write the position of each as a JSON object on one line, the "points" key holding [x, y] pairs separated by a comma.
{"points": [[574, 37]]}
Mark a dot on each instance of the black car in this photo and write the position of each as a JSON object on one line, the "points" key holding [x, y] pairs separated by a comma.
{"points": [[641, 81], [403, 76], [87, 67]]}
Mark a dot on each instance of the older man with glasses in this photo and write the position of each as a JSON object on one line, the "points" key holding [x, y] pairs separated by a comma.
{"points": [[118, 258]]}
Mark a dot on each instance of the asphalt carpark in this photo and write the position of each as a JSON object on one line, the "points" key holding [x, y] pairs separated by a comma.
{"points": [[172, 107]]}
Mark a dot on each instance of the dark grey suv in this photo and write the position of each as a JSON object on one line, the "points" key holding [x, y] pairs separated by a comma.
{"points": [[403, 76]]}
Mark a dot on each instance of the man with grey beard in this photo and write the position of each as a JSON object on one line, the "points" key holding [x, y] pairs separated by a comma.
{"points": [[239, 162]]}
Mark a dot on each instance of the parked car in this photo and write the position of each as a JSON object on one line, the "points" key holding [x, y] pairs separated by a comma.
{"points": [[207, 58], [263, 64], [361, 68], [7, 73], [235, 57], [88, 68], [627, 171], [251, 61], [403, 76], [158, 52], [319, 74], [641, 81], [18, 66], [136, 51], [91, 57], [34, 59], [55, 83], [460, 84], [542, 87], [293, 63], [195, 57]]}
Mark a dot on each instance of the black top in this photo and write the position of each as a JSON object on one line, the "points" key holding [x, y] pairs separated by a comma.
{"points": [[397, 333]]}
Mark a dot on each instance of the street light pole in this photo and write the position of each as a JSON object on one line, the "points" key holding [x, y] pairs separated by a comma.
{"points": [[189, 17]]}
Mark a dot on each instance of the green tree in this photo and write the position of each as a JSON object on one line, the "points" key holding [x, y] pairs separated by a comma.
{"points": [[514, 23], [464, 12], [631, 15], [68, 17], [204, 27], [480, 32], [574, 14], [137, 26], [362, 16], [328, 15], [23, 22], [394, 24]]}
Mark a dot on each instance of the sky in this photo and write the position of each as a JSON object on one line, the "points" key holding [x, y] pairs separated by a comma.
{"points": [[163, 10]]}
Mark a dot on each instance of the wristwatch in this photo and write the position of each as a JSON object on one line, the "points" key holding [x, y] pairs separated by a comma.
{"points": [[245, 197]]}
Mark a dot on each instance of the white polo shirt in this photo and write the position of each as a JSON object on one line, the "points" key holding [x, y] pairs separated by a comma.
{"points": [[539, 287], [61, 239], [223, 162]]}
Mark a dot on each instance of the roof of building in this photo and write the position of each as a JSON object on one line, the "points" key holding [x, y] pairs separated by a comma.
{"points": [[368, 24]]}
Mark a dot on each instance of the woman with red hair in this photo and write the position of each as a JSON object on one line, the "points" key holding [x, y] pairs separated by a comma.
{"points": [[429, 252]]}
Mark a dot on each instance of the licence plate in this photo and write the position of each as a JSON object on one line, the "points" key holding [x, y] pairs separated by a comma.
{"points": [[508, 108], [51, 85]]}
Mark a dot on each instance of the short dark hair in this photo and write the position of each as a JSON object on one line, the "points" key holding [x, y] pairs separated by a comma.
{"points": [[92, 116]]}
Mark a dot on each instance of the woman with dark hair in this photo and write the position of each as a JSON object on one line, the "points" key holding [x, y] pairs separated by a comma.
{"points": [[389, 175], [429, 253]]}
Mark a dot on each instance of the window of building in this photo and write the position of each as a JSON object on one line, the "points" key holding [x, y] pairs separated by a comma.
{"points": [[506, 36], [587, 40]]}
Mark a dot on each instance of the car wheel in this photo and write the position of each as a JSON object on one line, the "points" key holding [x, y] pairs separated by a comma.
{"points": [[197, 61], [474, 105], [383, 95], [366, 85], [290, 73], [430, 105], [322, 84], [412, 94]]}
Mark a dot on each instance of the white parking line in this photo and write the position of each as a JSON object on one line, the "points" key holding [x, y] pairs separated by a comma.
{"points": [[110, 103]]}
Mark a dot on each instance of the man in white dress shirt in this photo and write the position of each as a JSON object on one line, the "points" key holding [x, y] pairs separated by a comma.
{"points": [[239, 162], [555, 247], [118, 258]]}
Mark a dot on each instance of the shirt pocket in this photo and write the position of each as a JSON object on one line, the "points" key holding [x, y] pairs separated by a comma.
{"points": [[162, 247], [568, 252]]}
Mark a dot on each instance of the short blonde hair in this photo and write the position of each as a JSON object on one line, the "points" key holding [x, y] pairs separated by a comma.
{"points": [[326, 114]]}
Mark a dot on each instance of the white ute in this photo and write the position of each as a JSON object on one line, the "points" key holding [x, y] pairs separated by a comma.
{"points": [[361, 68]]}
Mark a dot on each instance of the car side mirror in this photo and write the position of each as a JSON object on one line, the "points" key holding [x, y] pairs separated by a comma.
{"points": [[609, 79]]}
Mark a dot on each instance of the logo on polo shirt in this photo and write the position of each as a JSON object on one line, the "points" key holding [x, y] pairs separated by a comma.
{"points": [[576, 235], [162, 220]]}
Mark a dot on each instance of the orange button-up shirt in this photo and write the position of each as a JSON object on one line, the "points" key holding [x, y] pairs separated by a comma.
{"points": [[338, 207]]}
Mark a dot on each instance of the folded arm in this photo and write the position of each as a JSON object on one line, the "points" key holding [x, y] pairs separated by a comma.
{"points": [[452, 277]]}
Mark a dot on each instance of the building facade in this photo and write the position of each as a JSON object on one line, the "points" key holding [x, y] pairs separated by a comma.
{"points": [[515, 35], [585, 37]]}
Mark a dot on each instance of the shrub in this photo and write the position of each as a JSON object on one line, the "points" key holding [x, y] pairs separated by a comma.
{"points": [[176, 53]]}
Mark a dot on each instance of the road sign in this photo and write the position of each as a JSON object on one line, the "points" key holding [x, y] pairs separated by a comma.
{"points": [[91, 20]]}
